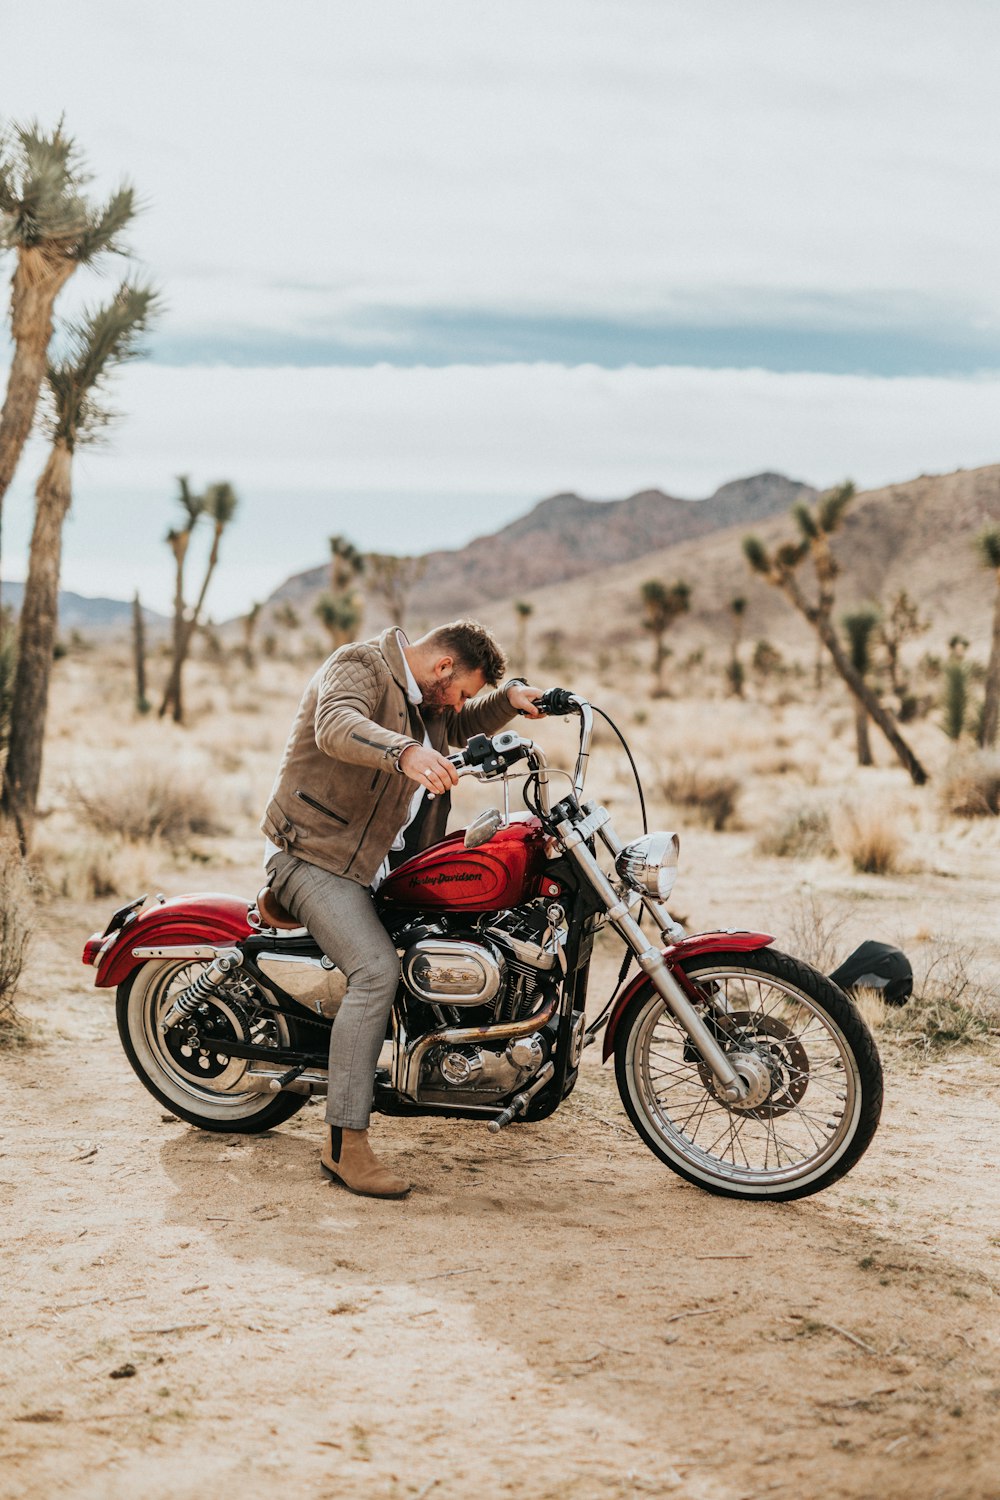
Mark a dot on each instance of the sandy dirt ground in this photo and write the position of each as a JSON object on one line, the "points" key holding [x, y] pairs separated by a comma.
{"points": [[551, 1313]]}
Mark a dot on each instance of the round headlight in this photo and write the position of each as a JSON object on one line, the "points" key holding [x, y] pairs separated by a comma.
{"points": [[649, 864]]}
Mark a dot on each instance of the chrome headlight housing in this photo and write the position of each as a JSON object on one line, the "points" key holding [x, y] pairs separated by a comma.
{"points": [[649, 864]]}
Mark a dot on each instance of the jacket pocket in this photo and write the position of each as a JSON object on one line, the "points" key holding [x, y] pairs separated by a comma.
{"points": [[327, 811]]}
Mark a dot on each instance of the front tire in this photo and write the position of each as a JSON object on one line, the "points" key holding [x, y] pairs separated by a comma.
{"points": [[815, 1073], [208, 1090]]}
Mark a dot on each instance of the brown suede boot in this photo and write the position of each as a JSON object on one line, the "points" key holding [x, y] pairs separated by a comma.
{"points": [[349, 1159]]}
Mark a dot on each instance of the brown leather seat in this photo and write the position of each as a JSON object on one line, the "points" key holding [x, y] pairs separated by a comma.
{"points": [[272, 913]]}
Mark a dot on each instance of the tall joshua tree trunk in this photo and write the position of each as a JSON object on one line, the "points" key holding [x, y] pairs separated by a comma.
{"points": [[865, 698], [101, 342], [36, 639], [139, 655], [38, 280], [52, 228], [219, 503], [989, 551]]}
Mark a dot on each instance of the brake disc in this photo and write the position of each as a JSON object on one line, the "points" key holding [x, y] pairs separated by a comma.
{"points": [[769, 1041]]}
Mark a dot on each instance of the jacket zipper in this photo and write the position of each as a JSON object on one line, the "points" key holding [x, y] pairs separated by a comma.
{"points": [[305, 797]]}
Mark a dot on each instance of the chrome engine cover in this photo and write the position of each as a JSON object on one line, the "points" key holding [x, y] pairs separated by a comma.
{"points": [[450, 971]]}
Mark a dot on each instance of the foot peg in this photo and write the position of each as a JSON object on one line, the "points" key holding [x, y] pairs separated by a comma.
{"points": [[520, 1102]]}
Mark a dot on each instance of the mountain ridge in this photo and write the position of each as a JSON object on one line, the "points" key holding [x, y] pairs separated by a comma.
{"points": [[565, 535]]}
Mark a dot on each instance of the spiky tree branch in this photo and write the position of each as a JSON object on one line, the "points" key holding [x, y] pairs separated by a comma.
{"points": [[781, 571], [51, 227]]}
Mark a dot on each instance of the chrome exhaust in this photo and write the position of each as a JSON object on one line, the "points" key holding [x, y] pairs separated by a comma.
{"points": [[454, 1036]]}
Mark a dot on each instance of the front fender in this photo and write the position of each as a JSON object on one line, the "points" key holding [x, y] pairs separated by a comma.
{"points": [[674, 956], [207, 917]]}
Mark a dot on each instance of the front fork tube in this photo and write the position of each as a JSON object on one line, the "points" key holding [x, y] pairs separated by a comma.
{"points": [[731, 1086]]}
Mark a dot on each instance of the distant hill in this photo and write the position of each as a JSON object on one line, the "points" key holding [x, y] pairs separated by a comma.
{"points": [[77, 612], [567, 536], [917, 536]]}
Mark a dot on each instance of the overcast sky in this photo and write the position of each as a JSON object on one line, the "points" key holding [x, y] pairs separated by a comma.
{"points": [[426, 262]]}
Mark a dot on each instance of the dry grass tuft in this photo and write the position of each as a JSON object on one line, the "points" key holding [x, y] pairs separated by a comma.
{"points": [[869, 836], [951, 1007], [16, 909], [971, 785], [149, 802], [712, 796], [803, 832]]}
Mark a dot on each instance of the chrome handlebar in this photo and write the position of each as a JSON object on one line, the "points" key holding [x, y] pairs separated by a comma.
{"points": [[508, 740]]}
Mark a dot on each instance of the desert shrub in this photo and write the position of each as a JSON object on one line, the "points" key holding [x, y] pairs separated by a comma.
{"points": [[802, 832], [869, 836], [971, 785], [711, 796], [15, 931], [149, 802], [951, 1006]]}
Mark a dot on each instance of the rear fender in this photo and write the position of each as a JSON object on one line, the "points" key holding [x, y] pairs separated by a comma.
{"points": [[674, 956], [207, 917]]}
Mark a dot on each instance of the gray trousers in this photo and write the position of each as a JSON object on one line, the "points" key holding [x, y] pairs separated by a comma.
{"points": [[340, 915]]}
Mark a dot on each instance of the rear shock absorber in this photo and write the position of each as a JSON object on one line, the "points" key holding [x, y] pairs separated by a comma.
{"points": [[224, 962]]}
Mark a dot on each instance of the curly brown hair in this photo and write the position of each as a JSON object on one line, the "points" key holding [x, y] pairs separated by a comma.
{"points": [[472, 646]]}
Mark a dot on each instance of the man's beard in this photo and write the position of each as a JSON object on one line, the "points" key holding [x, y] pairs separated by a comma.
{"points": [[435, 695]]}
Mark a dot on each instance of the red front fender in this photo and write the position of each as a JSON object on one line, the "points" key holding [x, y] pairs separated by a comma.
{"points": [[207, 917], [699, 942]]}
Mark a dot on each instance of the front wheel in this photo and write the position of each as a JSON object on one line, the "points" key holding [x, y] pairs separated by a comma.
{"points": [[207, 1088], [813, 1071]]}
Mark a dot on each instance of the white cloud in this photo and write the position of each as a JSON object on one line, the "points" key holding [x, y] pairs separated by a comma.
{"points": [[305, 161], [410, 459]]}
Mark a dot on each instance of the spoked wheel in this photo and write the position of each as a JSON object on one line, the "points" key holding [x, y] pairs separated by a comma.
{"points": [[205, 1086], [812, 1070]]}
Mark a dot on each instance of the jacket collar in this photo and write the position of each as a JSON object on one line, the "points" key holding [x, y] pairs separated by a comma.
{"points": [[388, 644]]}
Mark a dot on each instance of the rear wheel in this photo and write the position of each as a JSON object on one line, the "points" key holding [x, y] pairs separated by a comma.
{"points": [[812, 1069], [206, 1087]]}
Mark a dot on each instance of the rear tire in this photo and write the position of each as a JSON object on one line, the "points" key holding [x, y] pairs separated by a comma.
{"points": [[812, 1061], [210, 1097]]}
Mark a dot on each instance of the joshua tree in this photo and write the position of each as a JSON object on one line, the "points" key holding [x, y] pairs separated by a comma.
{"points": [[250, 622], [989, 550], [340, 609], [51, 228], [392, 579], [662, 606], [139, 655], [815, 529], [219, 504], [97, 345], [900, 623], [179, 540], [524, 610], [860, 627], [734, 671]]}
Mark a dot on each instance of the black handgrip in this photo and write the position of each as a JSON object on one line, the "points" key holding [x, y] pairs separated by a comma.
{"points": [[557, 701]]}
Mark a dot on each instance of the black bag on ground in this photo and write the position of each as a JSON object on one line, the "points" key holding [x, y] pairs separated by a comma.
{"points": [[877, 966]]}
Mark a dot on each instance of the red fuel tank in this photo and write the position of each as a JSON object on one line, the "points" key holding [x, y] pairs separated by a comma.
{"points": [[448, 877]]}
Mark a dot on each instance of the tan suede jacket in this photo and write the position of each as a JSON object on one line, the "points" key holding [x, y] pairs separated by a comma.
{"points": [[338, 800]]}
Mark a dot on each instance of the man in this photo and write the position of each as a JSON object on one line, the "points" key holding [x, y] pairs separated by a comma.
{"points": [[365, 776]]}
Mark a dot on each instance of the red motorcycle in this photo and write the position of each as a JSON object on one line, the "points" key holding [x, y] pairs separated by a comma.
{"points": [[745, 1071]]}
